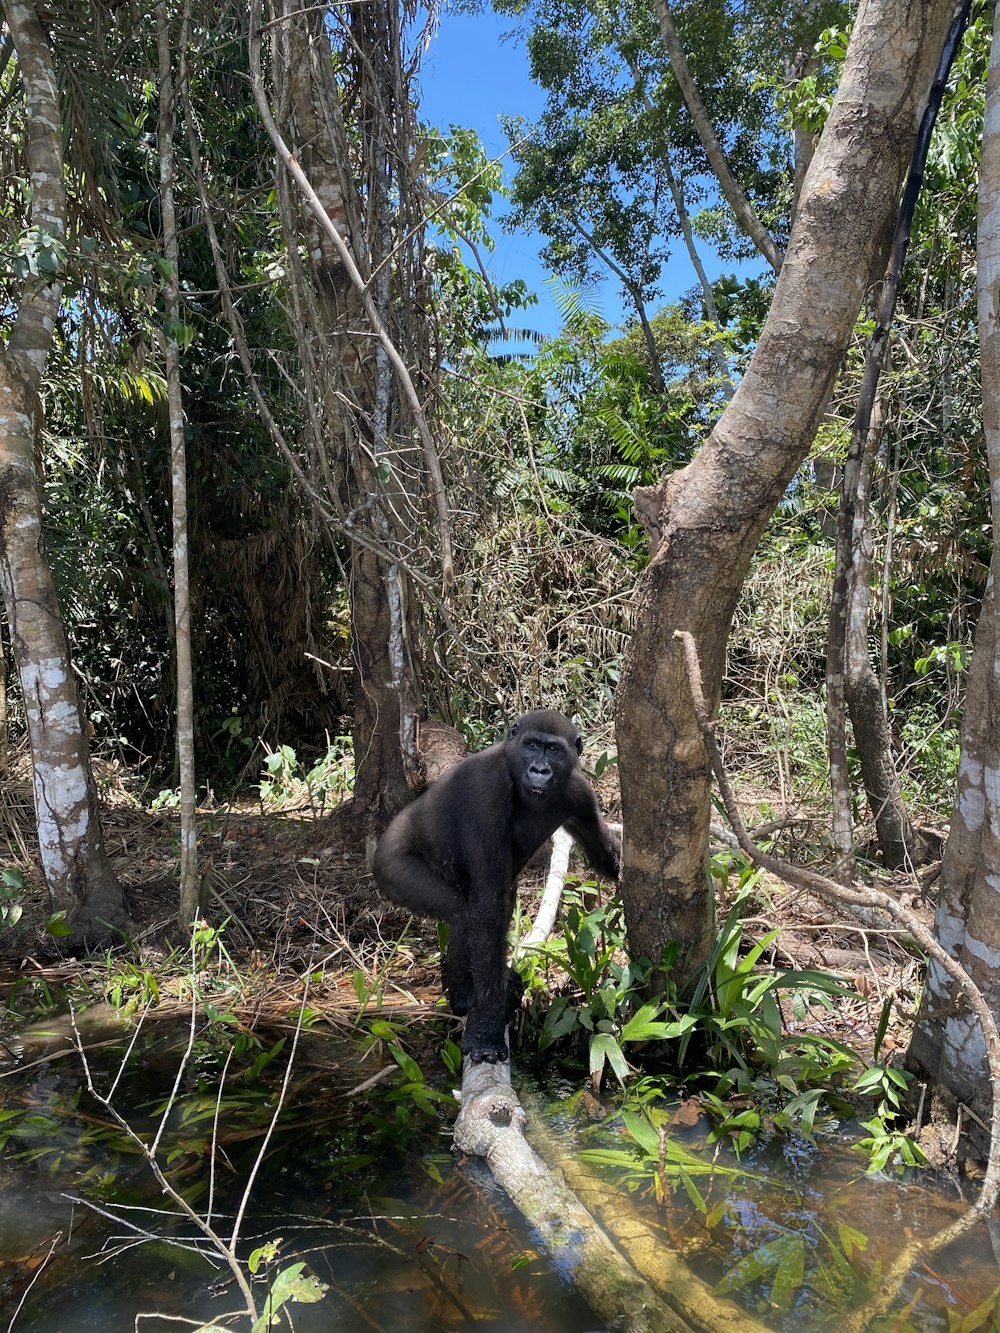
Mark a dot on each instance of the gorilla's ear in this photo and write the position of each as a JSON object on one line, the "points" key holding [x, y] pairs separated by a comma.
{"points": [[579, 745], [513, 732]]}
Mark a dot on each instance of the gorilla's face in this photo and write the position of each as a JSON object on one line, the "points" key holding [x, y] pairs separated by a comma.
{"points": [[542, 750]]}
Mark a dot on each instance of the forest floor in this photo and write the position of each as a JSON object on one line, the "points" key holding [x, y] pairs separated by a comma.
{"points": [[295, 894]]}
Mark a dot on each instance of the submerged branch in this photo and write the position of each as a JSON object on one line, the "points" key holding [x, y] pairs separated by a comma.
{"points": [[634, 1282]]}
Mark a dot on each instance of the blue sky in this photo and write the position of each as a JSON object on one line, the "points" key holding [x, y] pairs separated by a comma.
{"points": [[471, 76]]}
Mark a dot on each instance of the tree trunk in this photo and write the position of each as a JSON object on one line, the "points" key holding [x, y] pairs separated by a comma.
{"points": [[800, 66], [360, 405], [189, 905], [718, 357], [713, 511], [947, 1042], [71, 848], [853, 689], [900, 843], [732, 190], [848, 670]]}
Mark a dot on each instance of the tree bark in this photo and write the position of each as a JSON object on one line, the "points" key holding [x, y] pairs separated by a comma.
{"points": [[358, 401], [712, 512], [71, 847], [947, 1043], [190, 887]]}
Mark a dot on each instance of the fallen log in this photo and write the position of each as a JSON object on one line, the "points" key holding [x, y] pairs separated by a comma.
{"points": [[490, 1125]]}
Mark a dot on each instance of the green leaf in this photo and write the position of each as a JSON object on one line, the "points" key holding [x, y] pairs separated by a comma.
{"points": [[57, 926], [604, 1046], [264, 1254], [693, 1193], [790, 1273], [291, 1284], [407, 1064], [785, 1257], [643, 1132], [851, 1240], [643, 1025]]}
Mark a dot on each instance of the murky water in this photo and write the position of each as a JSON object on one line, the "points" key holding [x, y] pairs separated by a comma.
{"points": [[359, 1184]]}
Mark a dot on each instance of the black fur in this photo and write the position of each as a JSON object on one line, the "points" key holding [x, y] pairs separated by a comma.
{"points": [[456, 852]]}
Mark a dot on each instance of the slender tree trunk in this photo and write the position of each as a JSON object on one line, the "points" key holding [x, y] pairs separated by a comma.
{"points": [[796, 69], [900, 843], [849, 600], [718, 357], [189, 885], [732, 190], [947, 1042], [71, 847], [713, 511]]}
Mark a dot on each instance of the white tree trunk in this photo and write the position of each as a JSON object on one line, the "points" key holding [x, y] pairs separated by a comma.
{"points": [[71, 849]]}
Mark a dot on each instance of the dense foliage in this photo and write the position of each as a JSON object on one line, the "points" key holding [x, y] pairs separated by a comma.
{"points": [[544, 438]]}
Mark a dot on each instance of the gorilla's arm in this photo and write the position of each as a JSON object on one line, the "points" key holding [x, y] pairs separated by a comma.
{"points": [[585, 824]]}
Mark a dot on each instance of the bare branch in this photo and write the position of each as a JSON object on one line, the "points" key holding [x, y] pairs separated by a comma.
{"points": [[731, 188]]}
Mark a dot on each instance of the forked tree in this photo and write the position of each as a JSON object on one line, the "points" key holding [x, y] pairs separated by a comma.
{"points": [[707, 517]]}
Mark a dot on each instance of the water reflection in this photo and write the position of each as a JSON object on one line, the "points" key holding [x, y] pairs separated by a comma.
{"points": [[361, 1187], [362, 1190]]}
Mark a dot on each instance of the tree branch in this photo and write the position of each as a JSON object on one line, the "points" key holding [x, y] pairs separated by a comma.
{"points": [[731, 188], [490, 1125]]}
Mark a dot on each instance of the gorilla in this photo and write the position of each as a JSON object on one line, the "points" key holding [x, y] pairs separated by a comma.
{"points": [[456, 852]]}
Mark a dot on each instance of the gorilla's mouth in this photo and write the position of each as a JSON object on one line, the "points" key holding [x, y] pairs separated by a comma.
{"points": [[538, 789]]}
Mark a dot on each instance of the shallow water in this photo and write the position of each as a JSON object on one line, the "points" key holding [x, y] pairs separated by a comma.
{"points": [[363, 1188], [365, 1191], [796, 1232]]}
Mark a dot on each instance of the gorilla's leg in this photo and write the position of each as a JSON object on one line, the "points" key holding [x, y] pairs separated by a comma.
{"points": [[483, 1035], [457, 973]]}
